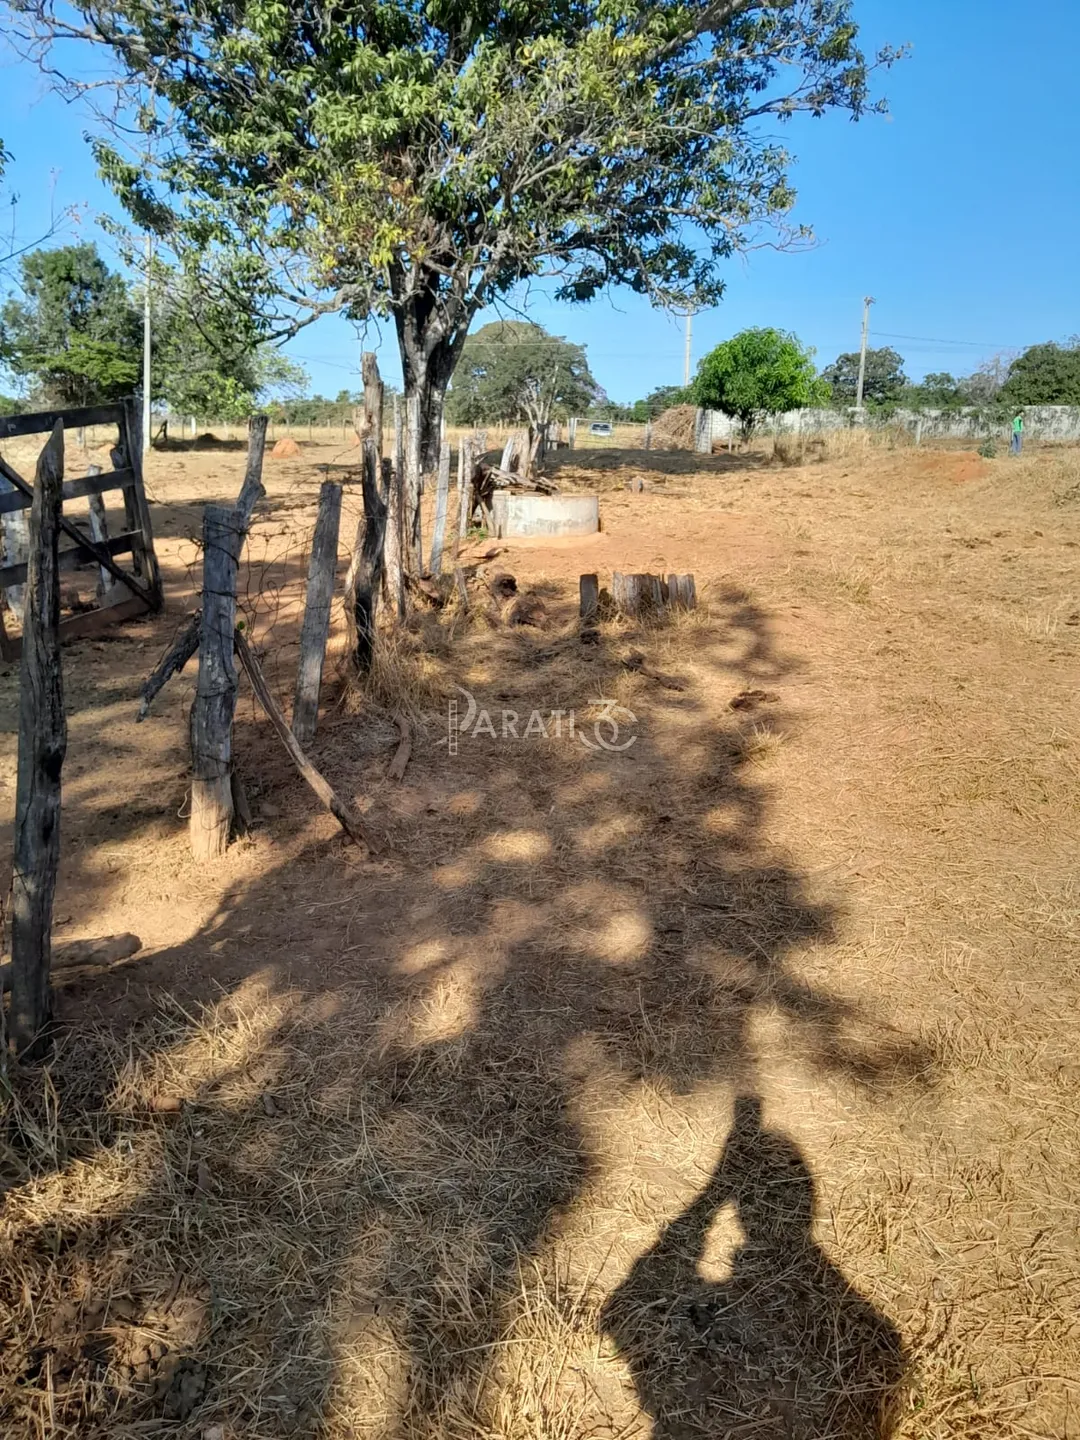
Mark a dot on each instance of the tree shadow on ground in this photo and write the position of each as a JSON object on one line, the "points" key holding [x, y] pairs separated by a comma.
{"points": [[661, 462], [340, 1179]]}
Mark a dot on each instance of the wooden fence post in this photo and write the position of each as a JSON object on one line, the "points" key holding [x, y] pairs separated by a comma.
{"points": [[136, 510], [42, 746], [16, 541], [99, 530], [316, 626], [648, 434], [215, 695], [571, 432], [465, 472], [442, 499]]}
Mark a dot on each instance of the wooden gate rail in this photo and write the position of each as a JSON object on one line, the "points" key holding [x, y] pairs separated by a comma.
{"points": [[136, 539]]}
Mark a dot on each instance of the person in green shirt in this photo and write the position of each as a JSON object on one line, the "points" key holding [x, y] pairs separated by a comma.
{"points": [[1017, 434]]}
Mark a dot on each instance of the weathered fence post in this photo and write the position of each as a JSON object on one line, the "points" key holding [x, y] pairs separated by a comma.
{"points": [[99, 529], [571, 432], [42, 746], [442, 499], [589, 597], [702, 432], [465, 469], [136, 510], [215, 694], [16, 538], [316, 627]]}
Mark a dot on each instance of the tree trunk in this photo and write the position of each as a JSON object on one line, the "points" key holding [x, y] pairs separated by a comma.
{"points": [[414, 486], [365, 572], [395, 506]]}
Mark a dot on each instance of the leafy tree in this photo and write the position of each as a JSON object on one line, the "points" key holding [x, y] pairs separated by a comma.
{"points": [[757, 373], [514, 370], [75, 336], [939, 391], [661, 399], [1044, 375], [885, 378], [421, 160]]}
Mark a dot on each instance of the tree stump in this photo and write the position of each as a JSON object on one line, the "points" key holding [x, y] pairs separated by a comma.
{"points": [[589, 591]]}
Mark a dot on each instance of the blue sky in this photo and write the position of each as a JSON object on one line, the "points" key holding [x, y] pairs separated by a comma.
{"points": [[959, 212]]}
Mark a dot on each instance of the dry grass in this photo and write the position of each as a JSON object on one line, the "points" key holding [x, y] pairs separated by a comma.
{"points": [[726, 1086]]}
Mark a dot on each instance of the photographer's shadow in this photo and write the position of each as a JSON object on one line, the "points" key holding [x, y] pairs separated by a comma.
{"points": [[786, 1347]]}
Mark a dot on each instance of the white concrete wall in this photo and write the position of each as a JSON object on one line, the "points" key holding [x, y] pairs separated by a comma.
{"points": [[1060, 423]]}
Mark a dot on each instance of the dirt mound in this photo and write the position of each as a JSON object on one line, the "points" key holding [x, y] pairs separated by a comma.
{"points": [[674, 430], [285, 449]]}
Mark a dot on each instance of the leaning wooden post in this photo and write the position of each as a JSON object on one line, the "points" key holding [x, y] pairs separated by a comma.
{"points": [[42, 746], [316, 626], [136, 510], [215, 695], [442, 500]]}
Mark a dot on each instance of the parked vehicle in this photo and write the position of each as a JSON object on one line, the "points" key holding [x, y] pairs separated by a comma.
{"points": [[600, 427]]}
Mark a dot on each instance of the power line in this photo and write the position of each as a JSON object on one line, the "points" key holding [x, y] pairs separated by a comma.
{"points": [[930, 340]]}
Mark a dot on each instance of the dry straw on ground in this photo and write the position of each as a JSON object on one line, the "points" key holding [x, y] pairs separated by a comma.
{"points": [[725, 1085]]}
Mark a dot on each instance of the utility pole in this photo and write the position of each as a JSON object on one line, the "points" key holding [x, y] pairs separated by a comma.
{"points": [[686, 353], [146, 349], [867, 302]]}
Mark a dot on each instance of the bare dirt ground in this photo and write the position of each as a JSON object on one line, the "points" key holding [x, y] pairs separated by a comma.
{"points": [[723, 1085]]}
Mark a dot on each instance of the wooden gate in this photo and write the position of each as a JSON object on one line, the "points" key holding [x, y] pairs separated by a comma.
{"points": [[122, 591]]}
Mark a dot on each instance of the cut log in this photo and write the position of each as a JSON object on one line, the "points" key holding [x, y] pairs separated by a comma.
{"points": [[42, 747], [635, 594], [442, 501], [96, 954], [322, 569], [629, 592], [342, 812], [215, 695], [589, 592]]}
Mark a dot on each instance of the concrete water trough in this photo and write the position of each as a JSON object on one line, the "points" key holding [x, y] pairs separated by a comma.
{"points": [[544, 514]]}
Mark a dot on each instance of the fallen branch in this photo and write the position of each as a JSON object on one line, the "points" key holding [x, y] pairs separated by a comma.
{"points": [[403, 752], [636, 661], [98, 954], [171, 663], [342, 812]]}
